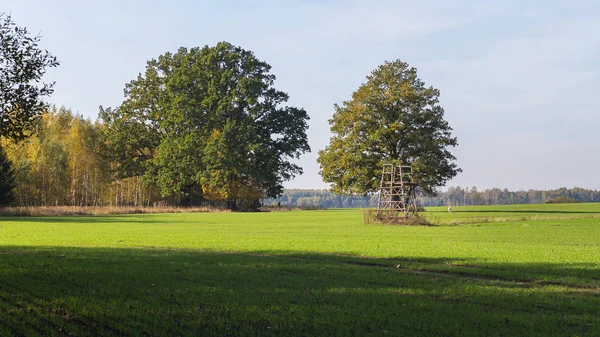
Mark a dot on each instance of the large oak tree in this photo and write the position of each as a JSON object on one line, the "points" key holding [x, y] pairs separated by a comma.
{"points": [[392, 118], [210, 122]]}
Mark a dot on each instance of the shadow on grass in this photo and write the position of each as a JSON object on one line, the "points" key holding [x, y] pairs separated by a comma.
{"points": [[92, 291]]}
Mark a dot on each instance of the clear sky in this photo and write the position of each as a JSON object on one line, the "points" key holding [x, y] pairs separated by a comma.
{"points": [[519, 80]]}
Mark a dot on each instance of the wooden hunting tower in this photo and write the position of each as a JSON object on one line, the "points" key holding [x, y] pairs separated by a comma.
{"points": [[396, 191]]}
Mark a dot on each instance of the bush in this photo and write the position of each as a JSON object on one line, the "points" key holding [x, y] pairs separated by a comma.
{"points": [[371, 216]]}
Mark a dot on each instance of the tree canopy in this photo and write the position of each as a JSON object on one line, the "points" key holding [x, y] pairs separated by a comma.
{"points": [[22, 66], [211, 123], [392, 118]]}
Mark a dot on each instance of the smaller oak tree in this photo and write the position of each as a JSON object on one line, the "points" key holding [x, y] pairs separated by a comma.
{"points": [[392, 118]]}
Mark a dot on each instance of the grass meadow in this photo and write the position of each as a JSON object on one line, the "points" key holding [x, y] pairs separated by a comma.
{"points": [[520, 270]]}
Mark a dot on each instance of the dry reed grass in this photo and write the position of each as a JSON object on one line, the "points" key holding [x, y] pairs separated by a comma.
{"points": [[99, 210], [290, 208]]}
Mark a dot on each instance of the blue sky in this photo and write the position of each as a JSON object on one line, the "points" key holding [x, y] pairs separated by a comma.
{"points": [[519, 80]]}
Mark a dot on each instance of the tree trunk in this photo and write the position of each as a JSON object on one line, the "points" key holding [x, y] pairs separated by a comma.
{"points": [[232, 204], [186, 199]]}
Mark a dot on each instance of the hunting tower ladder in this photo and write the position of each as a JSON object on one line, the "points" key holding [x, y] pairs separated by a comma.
{"points": [[396, 191]]}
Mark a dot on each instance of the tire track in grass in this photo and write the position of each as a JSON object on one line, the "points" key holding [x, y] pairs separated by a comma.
{"points": [[523, 281]]}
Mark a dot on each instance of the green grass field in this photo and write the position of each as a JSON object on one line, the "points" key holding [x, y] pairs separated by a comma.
{"points": [[526, 270]]}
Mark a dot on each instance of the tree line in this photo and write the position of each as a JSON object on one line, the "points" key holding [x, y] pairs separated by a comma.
{"points": [[65, 162], [454, 196]]}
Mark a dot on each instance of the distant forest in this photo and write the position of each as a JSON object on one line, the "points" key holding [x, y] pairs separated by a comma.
{"points": [[455, 196]]}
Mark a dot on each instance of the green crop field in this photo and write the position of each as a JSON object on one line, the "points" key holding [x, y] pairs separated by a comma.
{"points": [[525, 270]]}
